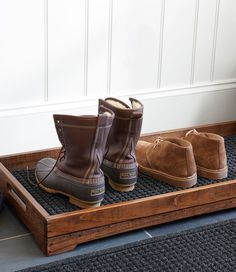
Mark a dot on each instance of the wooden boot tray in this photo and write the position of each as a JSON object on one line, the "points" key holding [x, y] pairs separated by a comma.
{"points": [[58, 226]]}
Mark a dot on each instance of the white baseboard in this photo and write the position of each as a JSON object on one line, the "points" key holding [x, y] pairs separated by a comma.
{"points": [[89, 101], [31, 127]]}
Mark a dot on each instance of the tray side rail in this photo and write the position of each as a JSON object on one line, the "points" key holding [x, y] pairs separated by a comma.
{"points": [[24, 206], [67, 242], [144, 207]]}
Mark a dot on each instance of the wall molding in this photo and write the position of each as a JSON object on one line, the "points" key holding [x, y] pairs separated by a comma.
{"points": [[85, 102]]}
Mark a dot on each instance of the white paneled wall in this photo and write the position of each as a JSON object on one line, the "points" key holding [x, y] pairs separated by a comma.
{"points": [[178, 33], [66, 48], [225, 58], [21, 52], [59, 56], [97, 51], [205, 38], [135, 43]]}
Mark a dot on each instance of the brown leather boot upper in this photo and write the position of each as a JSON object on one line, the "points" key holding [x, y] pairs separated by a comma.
{"points": [[120, 160], [84, 140], [169, 159], [209, 152], [77, 173]]}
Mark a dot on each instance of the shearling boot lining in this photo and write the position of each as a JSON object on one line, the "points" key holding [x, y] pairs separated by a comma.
{"points": [[116, 104], [107, 113], [136, 105]]}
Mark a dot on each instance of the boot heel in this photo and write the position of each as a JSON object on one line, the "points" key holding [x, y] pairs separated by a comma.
{"points": [[213, 174], [120, 188], [82, 204]]}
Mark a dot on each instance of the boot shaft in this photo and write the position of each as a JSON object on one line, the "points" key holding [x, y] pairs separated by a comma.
{"points": [[125, 130], [83, 139]]}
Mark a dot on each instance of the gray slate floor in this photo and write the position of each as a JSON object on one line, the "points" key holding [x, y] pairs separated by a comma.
{"points": [[18, 249]]}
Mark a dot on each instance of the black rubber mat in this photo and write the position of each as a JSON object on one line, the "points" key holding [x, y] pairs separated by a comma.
{"points": [[1, 200], [146, 186], [211, 248]]}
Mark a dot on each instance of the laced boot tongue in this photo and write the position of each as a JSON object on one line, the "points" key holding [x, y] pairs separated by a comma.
{"points": [[192, 131], [117, 103], [158, 141]]}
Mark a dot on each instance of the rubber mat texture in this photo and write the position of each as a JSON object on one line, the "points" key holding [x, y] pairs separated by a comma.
{"points": [[211, 248], [145, 187]]}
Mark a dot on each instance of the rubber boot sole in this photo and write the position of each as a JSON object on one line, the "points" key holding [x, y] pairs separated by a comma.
{"points": [[120, 187], [213, 174], [73, 200], [183, 182]]}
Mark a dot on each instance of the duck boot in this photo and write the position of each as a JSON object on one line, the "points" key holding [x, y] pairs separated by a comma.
{"points": [[169, 160], [77, 174], [119, 163], [209, 152]]}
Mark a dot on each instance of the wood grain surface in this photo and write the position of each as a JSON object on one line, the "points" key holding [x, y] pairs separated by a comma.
{"points": [[59, 233]]}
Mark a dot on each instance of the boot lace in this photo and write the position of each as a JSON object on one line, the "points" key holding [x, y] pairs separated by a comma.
{"points": [[158, 141], [60, 156]]}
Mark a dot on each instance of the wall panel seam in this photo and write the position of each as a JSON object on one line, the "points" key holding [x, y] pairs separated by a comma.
{"points": [[45, 50], [213, 58], [86, 37], [194, 43], [109, 56], [160, 53]]}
